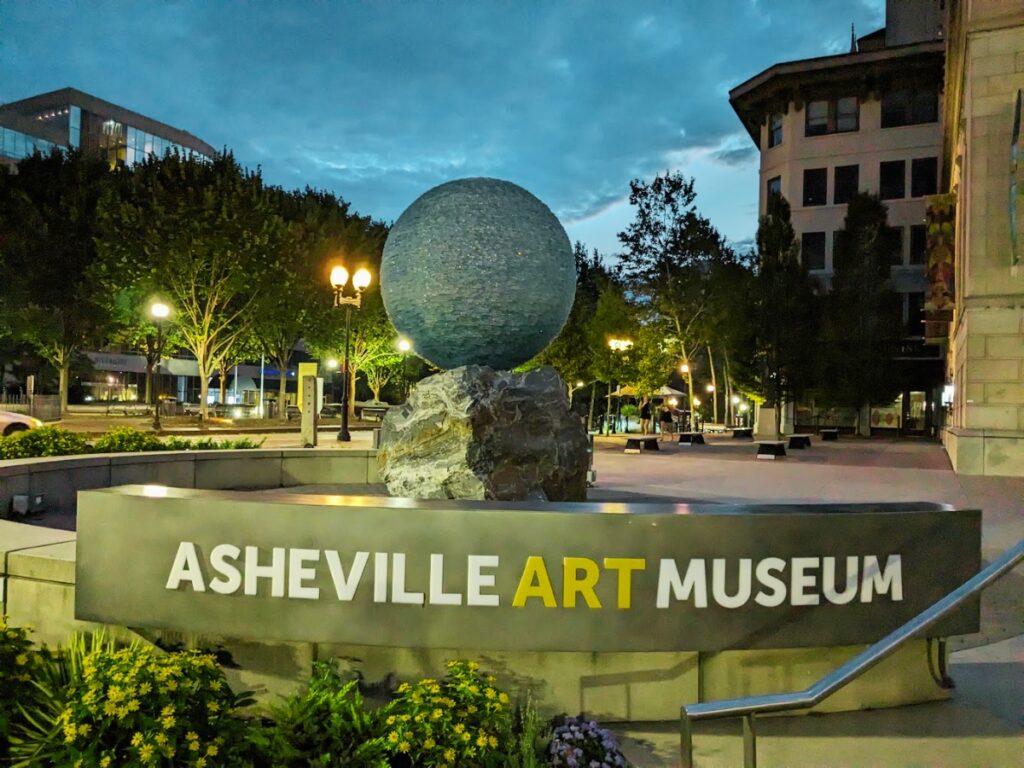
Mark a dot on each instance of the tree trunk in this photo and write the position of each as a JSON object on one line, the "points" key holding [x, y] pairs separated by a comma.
{"points": [[730, 409], [351, 382], [204, 390], [65, 376], [714, 386]]}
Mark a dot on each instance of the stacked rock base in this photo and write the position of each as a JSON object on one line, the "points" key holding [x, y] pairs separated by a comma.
{"points": [[477, 433]]}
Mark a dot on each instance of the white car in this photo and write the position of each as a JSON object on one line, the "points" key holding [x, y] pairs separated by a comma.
{"points": [[16, 422]]}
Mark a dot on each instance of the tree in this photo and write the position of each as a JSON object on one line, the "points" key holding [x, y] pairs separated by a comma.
{"points": [[862, 314], [48, 220], [669, 253], [613, 318], [208, 234], [319, 227], [782, 320]]}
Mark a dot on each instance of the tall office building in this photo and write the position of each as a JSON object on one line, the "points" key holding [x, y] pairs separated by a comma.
{"points": [[71, 118], [866, 120]]}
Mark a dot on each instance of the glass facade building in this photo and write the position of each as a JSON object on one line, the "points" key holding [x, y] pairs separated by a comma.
{"points": [[71, 118]]}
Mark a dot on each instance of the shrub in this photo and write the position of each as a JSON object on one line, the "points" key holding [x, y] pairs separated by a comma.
{"points": [[325, 726], [209, 444], [531, 735], [579, 742], [127, 440], [19, 662], [461, 720], [44, 441], [132, 707]]}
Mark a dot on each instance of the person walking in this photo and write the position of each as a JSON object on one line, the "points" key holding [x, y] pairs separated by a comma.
{"points": [[645, 416], [667, 421]]}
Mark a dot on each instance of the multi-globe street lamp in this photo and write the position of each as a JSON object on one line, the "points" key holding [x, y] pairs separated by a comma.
{"points": [[615, 345], [360, 281], [158, 312]]}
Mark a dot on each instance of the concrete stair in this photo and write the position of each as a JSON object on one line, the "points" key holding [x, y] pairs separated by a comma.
{"points": [[981, 727]]}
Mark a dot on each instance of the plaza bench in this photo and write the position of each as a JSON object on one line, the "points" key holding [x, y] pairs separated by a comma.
{"points": [[642, 443], [829, 433], [376, 412], [740, 433], [771, 449], [691, 438], [799, 441]]}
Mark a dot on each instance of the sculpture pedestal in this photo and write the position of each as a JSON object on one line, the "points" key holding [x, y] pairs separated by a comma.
{"points": [[477, 433]]}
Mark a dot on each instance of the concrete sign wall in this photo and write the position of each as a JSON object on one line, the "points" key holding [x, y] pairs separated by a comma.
{"points": [[505, 576]]}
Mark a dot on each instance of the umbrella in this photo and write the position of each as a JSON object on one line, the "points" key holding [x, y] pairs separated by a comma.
{"points": [[624, 392], [667, 392]]}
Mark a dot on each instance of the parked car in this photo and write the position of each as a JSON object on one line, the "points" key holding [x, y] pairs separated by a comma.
{"points": [[16, 422]]}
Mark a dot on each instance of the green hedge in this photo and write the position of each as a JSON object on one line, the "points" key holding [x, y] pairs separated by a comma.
{"points": [[98, 705], [53, 441]]}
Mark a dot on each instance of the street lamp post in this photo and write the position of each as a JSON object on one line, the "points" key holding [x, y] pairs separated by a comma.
{"points": [[360, 281], [615, 345], [714, 401], [159, 312]]}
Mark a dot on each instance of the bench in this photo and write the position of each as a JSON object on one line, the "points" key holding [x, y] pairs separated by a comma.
{"points": [[743, 432], [771, 449], [691, 438], [376, 412], [799, 441], [831, 433], [642, 443]]}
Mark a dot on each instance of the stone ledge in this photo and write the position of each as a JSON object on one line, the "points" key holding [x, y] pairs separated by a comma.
{"points": [[54, 562]]}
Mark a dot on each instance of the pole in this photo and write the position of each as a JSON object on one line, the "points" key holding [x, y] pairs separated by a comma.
{"points": [[260, 409], [343, 433], [156, 377]]}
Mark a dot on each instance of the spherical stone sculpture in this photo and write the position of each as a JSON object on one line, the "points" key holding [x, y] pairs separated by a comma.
{"points": [[478, 271]]}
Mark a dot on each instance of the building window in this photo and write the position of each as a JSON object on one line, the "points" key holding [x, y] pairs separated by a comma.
{"points": [[774, 186], [896, 255], [915, 314], [910, 107], [812, 250], [775, 130], [892, 182], [918, 244], [815, 186], [924, 175], [832, 116], [846, 182]]}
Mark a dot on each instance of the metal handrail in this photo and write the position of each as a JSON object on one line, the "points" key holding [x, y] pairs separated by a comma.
{"points": [[749, 706]]}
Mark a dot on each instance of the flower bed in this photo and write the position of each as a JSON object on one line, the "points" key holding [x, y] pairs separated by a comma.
{"points": [[53, 441], [96, 705]]}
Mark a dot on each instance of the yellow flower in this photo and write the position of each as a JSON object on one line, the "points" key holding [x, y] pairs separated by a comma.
{"points": [[503, 697], [403, 687], [449, 755], [473, 665], [168, 722], [201, 762], [212, 750], [393, 737], [466, 736], [166, 711], [105, 762], [83, 729], [492, 741], [481, 740], [213, 706], [193, 746], [146, 688], [70, 731], [489, 693], [459, 727], [471, 708], [390, 720], [436, 714], [146, 752], [160, 738], [403, 747], [21, 659], [137, 739], [428, 743]]}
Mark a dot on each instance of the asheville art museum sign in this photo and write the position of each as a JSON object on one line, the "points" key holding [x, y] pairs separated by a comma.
{"points": [[516, 576]]}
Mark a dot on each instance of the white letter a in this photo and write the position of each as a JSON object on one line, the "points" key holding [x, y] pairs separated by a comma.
{"points": [[186, 568]]}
